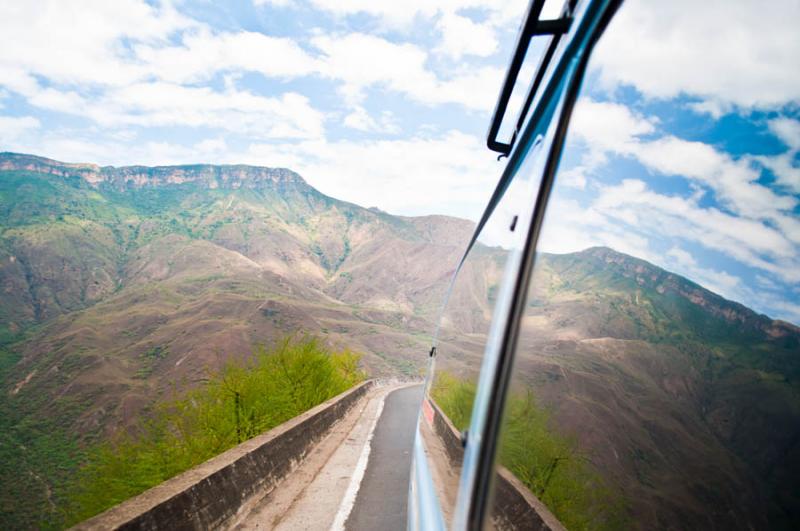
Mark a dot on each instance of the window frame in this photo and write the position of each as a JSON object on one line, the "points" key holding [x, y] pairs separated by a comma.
{"points": [[540, 143]]}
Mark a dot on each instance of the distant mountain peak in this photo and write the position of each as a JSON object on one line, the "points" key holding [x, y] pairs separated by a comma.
{"points": [[648, 275], [212, 175]]}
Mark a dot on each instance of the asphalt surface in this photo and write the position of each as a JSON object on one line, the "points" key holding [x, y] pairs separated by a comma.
{"points": [[382, 498]]}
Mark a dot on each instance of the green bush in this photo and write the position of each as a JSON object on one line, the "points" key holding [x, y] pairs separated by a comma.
{"points": [[241, 401], [550, 464], [455, 397]]}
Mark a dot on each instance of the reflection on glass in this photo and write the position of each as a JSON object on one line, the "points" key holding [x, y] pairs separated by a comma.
{"points": [[460, 346], [657, 376], [462, 337]]}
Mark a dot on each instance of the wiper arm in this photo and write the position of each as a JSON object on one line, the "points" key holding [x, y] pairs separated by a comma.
{"points": [[529, 29]]}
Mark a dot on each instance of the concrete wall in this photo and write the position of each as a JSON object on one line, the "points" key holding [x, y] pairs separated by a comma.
{"points": [[211, 494], [514, 505]]}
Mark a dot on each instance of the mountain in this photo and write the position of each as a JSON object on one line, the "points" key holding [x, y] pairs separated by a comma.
{"points": [[687, 404], [122, 284], [695, 398], [126, 280]]}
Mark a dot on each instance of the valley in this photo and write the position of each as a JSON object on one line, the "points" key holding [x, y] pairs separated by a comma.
{"points": [[121, 285]]}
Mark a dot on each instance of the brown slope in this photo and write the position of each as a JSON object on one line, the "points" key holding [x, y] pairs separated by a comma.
{"points": [[209, 261], [684, 401]]}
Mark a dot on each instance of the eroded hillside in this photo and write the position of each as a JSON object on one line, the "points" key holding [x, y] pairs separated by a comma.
{"points": [[120, 284], [127, 280]]}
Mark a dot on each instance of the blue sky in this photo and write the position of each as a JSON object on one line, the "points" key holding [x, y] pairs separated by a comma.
{"points": [[684, 149]]}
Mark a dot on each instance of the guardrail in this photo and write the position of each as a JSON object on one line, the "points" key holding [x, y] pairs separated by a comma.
{"points": [[212, 494], [514, 507]]}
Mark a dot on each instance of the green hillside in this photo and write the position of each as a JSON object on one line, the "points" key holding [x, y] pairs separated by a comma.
{"points": [[120, 284]]}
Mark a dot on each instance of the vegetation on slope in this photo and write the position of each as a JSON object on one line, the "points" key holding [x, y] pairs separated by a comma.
{"points": [[114, 287], [241, 401], [550, 464], [36, 452]]}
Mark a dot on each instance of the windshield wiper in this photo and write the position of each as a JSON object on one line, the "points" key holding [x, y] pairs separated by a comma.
{"points": [[531, 28]]}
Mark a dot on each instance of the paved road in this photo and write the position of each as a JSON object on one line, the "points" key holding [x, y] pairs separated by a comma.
{"points": [[382, 497], [355, 479]]}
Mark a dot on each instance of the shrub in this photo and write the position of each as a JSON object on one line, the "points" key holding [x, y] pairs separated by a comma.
{"points": [[241, 401], [550, 464]]}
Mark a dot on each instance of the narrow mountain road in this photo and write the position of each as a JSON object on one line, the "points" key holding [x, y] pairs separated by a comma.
{"points": [[357, 478], [382, 498]]}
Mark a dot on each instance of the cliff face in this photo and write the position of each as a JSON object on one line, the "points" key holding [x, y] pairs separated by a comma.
{"points": [[229, 177]]}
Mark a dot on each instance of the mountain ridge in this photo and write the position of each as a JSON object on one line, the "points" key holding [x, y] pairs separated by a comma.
{"points": [[120, 291], [642, 271], [235, 176], [213, 175]]}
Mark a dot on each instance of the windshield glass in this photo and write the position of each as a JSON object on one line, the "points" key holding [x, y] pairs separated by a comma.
{"points": [[656, 379]]}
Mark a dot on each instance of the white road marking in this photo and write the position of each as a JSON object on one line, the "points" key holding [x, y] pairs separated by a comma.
{"points": [[358, 474]]}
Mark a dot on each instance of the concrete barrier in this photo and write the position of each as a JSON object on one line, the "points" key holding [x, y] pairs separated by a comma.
{"points": [[211, 494], [514, 505]]}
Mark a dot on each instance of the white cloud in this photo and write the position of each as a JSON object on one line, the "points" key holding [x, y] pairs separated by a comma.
{"points": [[450, 173], [712, 107], [476, 89], [784, 166], [612, 128], [136, 64], [760, 231], [154, 104], [609, 125], [767, 283], [165, 104], [461, 36], [681, 257], [790, 310], [573, 177], [211, 145], [401, 15], [113, 63], [80, 42], [361, 61], [275, 3], [720, 282], [733, 181], [12, 127], [787, 130], [787, 173], [726, 229], [571, 226], [202, 54], [725, 53], [749, 241], [118, 149], [606, 126], [361, 120]]}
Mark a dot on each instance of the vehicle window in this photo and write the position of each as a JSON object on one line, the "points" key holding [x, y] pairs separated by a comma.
{"points": [[461, 340], [655, 382], [459, 408]]}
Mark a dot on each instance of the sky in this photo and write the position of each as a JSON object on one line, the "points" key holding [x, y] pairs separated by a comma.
{"points": [[684, 148]]}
